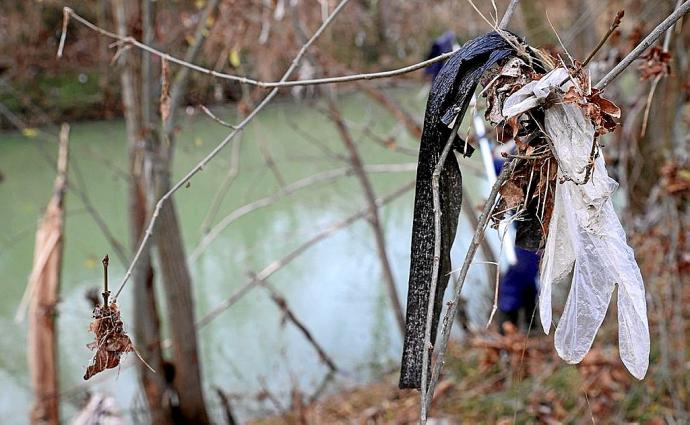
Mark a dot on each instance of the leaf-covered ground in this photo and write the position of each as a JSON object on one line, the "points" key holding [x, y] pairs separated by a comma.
{"points": [[505, 379]]}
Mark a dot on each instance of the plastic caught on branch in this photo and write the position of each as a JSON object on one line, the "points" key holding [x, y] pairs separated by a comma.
{"points": [[450, 95], [585, 236]]}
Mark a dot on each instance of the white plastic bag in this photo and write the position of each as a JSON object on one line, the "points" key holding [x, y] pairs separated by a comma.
{"points": [[585, 237]]}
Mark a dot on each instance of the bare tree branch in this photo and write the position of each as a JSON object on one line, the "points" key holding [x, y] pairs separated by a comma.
{"points": [[200, 166], [428, 348], [509, 14], [244, 80], [644, 44], [282, 304], [427, 388], [453, 304]]}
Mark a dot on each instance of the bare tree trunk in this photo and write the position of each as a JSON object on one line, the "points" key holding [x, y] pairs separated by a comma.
{"points": [[374, 220], [43, 287], [171, 253], [180, 308], [146, 318]]}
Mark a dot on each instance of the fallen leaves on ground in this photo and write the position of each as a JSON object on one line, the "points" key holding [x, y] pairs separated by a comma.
{"points": [[491, 378]]}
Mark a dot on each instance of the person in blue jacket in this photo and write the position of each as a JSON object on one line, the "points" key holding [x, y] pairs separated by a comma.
{"points": [[440, 45], [518, 289]]}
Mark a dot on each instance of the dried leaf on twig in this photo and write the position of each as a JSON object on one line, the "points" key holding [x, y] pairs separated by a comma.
{"points": [[512, 193], [111, 340]]}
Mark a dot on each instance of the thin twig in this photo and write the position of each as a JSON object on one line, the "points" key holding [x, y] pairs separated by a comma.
{"points": [[106, 292], [216, 119], [460, 281], [655, 82], [281, 302], [509, 14], [428, 347], [615, 24], [200, 166], [427, 391], [558, 37], [63, 36], [131, 41], [644, 44], [487, 252]]}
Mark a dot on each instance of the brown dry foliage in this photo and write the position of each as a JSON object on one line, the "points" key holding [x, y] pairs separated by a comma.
{"points": [[111, 341], [675, 178], [656, 61]]}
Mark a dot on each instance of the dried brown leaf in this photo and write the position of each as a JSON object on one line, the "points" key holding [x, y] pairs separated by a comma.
{"points": [[656, 61], [110, 340], [512, 193], [572, 96]]}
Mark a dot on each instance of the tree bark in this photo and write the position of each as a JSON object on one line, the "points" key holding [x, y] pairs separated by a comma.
{"points": [[44, 287], [171, 252], [180, 309], [146, 318]]}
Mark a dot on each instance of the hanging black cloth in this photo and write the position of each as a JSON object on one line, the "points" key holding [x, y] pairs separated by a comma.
{"points": [[450, 95]]}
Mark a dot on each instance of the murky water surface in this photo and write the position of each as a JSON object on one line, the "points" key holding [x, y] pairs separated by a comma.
{"points": [[335, 287]]}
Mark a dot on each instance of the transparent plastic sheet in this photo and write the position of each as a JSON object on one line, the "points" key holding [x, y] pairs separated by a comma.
{"points": [[585, 237], [554, 268]]}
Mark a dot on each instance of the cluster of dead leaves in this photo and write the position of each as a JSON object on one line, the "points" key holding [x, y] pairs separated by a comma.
{"points": [[655, 62], [601, 111], [532, 182], [111, 341], [511, 76], [531, 185], [604, 378]]}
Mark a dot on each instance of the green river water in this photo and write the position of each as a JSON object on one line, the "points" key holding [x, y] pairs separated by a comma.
{"points": [[335, 287]]}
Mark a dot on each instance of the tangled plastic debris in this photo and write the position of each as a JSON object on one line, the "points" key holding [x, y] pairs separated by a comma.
{"points": [[585, 236]]}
